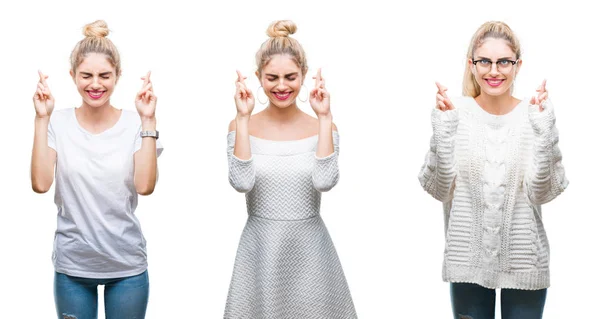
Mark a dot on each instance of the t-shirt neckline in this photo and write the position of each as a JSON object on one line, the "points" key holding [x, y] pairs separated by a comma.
{"points": [[117, 124]]}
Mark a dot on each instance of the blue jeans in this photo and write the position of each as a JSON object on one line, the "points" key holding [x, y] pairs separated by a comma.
{"points": [[471, 301], [124, 298]]}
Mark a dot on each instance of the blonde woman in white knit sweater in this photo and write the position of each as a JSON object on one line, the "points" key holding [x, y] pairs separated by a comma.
{"points": [[493, 160]]}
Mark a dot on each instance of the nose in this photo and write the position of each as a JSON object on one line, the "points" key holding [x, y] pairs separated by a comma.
{"points": [[281, 84], [494, 69], [96, 82]]}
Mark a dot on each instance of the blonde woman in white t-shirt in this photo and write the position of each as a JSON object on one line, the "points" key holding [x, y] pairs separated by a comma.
{"points": [[104, 157], [493, 161]]}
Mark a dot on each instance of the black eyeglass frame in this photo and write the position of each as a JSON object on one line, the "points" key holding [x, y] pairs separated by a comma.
{"points": [[513, 62]]}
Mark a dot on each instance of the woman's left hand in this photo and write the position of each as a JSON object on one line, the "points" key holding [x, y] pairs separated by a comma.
{"points": [[319, 97], [145, 100], [541, 98]]}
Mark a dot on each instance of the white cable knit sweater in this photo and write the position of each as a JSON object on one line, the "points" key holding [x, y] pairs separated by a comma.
{"points": [[492, 173]]}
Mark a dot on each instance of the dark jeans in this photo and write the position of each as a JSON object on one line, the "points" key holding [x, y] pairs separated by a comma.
{"points": [[471, 301], [124, 298]]}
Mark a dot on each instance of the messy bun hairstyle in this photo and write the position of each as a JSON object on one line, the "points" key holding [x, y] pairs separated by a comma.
{"points": [[95, 41], [280, 42]]}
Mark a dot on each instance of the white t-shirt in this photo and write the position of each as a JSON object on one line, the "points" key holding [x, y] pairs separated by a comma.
{"points": [[98, 235]]}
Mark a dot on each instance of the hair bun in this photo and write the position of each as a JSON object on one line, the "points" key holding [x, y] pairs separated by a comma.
{"points": [[281, 28], [96, 29]]}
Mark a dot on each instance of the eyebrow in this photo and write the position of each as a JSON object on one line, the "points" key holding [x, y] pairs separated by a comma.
{"points": [[484, 58], [101, 74], [275, 75]]}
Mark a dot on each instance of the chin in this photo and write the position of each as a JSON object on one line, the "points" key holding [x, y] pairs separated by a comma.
{"points": [[494, 91], [96, 103], [283, 104]]}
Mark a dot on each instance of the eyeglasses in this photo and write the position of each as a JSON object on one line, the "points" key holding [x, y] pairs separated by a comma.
{"points": [[502, 65]]}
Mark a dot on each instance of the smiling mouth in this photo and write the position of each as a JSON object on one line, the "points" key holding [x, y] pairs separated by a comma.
{"points": [[95, 94], [494, 82], [282, 96]]}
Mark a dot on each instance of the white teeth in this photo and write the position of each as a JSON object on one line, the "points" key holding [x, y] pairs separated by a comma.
{"points": [[95, 94], [282, 95], [494, 82]]}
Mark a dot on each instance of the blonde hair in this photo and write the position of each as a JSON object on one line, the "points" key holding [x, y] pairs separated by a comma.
{"points": [[95, 41], [490, 29], [280, 42]]}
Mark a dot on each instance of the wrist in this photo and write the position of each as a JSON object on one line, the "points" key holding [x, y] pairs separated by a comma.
{"points": [[42, 119], [149, 123], [325, 117], [242, 118]]}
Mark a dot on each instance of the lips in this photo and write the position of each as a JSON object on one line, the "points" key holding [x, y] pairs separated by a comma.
{"points": [[494, 82], [282, 96], [95, 94]]}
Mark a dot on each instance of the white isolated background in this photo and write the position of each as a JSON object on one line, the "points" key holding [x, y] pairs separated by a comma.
{"points": [[380, 60]]}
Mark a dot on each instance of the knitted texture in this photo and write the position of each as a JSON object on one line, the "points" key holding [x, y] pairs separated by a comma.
{"points": [[492, 173], [286, 265]]}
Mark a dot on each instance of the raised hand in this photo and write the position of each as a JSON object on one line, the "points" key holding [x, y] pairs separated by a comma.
{"points": [[244, 100], [43, 101], [443, 103], [319, 97], [145, 100], [541, 97]]}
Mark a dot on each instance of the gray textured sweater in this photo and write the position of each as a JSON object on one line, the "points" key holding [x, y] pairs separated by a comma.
{"points": [[286, 264]]}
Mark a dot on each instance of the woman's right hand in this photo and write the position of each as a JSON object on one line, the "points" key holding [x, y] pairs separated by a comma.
{"points": [[443, 103], [244, 100], [43, 99]]}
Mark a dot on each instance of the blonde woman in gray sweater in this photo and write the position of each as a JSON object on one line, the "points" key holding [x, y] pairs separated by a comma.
{"points": [[283, 160]]}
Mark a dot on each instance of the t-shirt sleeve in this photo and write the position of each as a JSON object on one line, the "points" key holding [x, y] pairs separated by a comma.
{"points": [[51, 135]]}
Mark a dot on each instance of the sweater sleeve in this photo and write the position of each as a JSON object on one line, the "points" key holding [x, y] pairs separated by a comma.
{"points": [[326, 173], [545, 176], [438, 173], [241, 172]]}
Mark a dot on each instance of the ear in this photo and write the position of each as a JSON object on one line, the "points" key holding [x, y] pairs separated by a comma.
{"points": [[72, 75], [518, 66], [471, 66], [258, 77]]}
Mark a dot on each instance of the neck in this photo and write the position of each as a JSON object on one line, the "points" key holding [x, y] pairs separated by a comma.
{"points": [[99, 114], [497, 105], [283, 114]]}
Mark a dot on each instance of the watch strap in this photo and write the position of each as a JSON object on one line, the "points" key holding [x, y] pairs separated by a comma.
{"points": [[149, 134]]}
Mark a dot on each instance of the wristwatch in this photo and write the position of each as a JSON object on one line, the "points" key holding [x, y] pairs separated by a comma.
{"points": [[149, 134]]}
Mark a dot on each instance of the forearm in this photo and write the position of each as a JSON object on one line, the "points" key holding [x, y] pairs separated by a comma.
{"points": [[325, 141], [438, 173], [326, 172], [546, 176], [242, 149], [239, 156], [145, 161], [42, 158]]}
